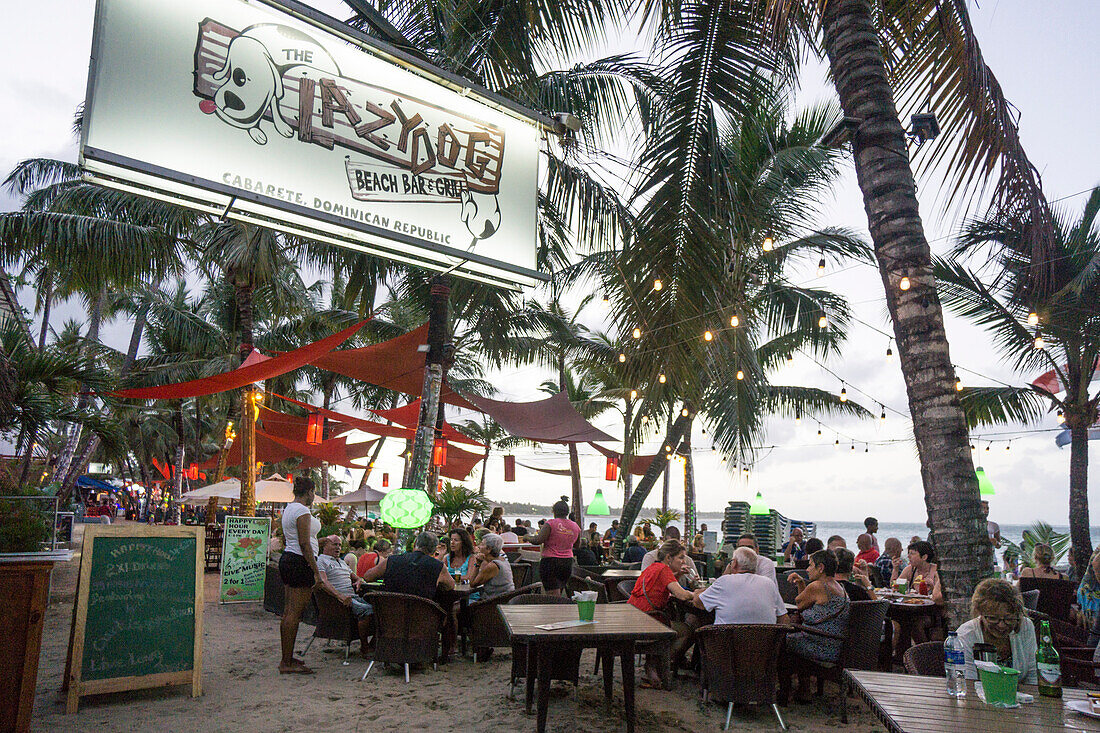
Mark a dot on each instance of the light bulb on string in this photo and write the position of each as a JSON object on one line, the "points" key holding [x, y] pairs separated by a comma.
{"points": [[622, 357], [636, 333], [735, 321], [606, 299], [883, 415], [657, 284], [1039, 343], [708, 336], [790, 358], [740, 375], [821, 267], [843, 394], [661, 378], [1033, 319], [1061, 417], [889, 349], [866, 449], [1009, 446], [684, 412], [633, 395], [904, 283], [853, 446], [823, 321], [767, 244], [819, 432], [958, 385], [836, 443], [988, 447], [798, 416], [973, 447]]}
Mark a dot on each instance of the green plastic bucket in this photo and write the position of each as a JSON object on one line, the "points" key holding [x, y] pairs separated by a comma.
{"points": [[999, 688], [586, 609]]}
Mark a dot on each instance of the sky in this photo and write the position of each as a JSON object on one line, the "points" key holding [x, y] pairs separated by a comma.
{"points": [[1045, 58]]}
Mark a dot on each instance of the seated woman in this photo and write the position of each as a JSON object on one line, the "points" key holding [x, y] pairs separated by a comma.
{"points": [[823, 605], [1043, 557], [380, 550], [460, 559], [921, 567], [651, 594], [855, 582], [583, 554], [494, 574], [999, 619]]}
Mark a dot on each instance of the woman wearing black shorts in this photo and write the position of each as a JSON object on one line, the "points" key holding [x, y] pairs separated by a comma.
{"points": [[298, 570], [557, 538]]}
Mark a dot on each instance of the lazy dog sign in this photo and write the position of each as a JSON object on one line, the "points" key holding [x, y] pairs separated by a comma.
{"points": [[273, 114]]}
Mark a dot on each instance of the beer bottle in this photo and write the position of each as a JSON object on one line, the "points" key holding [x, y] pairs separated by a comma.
{"points": [[1050, 668]]}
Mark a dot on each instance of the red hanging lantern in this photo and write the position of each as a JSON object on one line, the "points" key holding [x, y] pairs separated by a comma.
{"points": [[611, 473], [439, 452], [193, 472], [385, 480], [315, 429], [509, 468]]}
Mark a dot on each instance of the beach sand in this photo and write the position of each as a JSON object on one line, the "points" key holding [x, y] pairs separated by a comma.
{"points": [[243, 690]]}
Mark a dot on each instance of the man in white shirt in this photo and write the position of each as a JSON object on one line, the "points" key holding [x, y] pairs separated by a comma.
{"points": [[509, 537], [765, 566], [337, 578], [741, 596]]}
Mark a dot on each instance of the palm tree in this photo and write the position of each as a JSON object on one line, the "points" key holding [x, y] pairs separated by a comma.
{"points": [[455, 501], [488, 432], [1017, 310]]}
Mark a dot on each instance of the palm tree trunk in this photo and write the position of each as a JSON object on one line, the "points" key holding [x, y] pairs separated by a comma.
{"points": [[373, 458], [889, 193], [666, 476], [484, 467], [420, 465], [47, 303], [634, 507], [327, 392], [61, 470], [577, 499], [173, 514], [689, 488], [1080, 539], [628, 450], [247, 505]]}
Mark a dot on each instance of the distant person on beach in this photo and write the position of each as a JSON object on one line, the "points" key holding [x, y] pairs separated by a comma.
{"points": [[871, 525], [297, 569], [557, 538]]}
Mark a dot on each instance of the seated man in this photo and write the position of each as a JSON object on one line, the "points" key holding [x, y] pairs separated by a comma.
{"points": [[416, 573], [609, 535], [338, 581], [867, 552], [741, 596], [765, 566], [634, 551], [583, 554], [519, 529], [794, 549], [891, 562], [509, 536], [834, 542]]}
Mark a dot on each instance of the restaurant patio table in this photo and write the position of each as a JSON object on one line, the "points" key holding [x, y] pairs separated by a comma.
{"points": [[906, 615], [913, 704], [613, 576], [616, 631]]}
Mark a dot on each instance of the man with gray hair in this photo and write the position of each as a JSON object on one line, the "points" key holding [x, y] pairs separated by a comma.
{"points": [[416, 573], [741, 596]]}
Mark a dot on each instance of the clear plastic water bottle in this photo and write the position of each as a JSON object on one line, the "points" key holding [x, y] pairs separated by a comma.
{"points": [[953, 664]]}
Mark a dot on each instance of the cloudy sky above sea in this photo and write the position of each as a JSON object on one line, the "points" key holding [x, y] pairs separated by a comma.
{"points": [[1045, 58]]}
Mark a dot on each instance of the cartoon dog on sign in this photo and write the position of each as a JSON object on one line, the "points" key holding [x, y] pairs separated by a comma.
{"points": [[251, 81]]}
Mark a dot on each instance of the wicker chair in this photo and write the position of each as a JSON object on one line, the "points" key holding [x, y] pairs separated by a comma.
{"points": [[520, 571], [1031, 599], [1055, 596], [789, 591], [925, 659], [484, 624], [624, 588], [858, 650], [739, 664], [407, 629], [567, 662], [335, 621], [580, 585]]}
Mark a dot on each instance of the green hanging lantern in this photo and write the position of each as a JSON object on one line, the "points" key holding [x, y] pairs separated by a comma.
{"points": [[759, 506], [599, 507], [406, 508], [985, 486]]}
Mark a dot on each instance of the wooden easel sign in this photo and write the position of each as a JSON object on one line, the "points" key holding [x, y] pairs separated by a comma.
{"points": [[137, 622]]}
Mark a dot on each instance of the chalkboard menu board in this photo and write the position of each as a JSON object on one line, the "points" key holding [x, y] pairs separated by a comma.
{"points": [[138, 616]]}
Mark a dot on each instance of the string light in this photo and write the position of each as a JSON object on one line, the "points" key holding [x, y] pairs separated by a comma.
{"points": [[823, 321], [661, 378], [735, 321], [819, 432], [790, 358], [821, 267], [843, 394], [708, 336], [606, 299], [767, 244], [740, 375], [853, 446], [866, 449], [633, 395], [904, 283], [636, 333], [657, 284], [889, 349], [1033, 319], [836, 443], [1061, 417], [958, 385], [1039, 343], [798, 415], [684, 412], [622, 357], [883, 415]]}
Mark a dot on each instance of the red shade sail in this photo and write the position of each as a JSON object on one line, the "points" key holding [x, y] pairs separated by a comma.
{"points": [[353, 451], [551, 471], [553, 420], [294, 427], [409, 416], [459, 463], [244, 375], [397, 364]]}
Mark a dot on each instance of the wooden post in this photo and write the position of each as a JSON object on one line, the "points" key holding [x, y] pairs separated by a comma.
{"points": [[248, 452]]}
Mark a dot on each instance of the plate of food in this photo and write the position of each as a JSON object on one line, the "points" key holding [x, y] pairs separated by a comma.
{"points": [[1083, 706], [916, 601]]}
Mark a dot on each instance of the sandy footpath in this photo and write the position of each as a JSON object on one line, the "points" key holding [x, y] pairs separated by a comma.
{"points": [[243, 690]]}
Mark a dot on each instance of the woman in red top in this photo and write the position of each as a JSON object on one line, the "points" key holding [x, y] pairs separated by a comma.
{"points": [[557, 538], [651, 594]]}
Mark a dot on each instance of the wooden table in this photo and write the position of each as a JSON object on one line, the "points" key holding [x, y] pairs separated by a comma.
{"points": [[912, 704], [613, 576], [616, 632], [906, 616]]}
